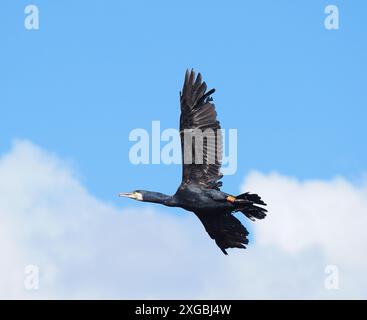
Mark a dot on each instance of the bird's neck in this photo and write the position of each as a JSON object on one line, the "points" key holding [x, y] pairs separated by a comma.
{"points": [[161, 198]]}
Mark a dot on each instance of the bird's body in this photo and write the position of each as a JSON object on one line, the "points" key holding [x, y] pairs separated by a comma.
{"points": [[199, 191], [193, 197]]}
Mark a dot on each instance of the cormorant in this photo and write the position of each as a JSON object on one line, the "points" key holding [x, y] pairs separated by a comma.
{"points": [[199, 190]]}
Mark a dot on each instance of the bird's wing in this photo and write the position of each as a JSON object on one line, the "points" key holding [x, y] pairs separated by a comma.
{"points": [[198, 115], [225, 229]]}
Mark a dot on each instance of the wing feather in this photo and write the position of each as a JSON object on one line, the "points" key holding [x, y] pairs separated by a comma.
{"points": [[225, 229], [198, 115]]}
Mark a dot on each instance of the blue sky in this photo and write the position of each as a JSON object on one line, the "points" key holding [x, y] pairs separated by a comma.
{"points": [[94, 71]]}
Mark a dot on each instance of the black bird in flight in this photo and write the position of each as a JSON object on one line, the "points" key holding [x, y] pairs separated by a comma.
{"points": [[199, 191]]}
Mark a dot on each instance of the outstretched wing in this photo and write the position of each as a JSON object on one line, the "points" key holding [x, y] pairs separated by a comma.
{"points": [[225, 229], [201, 162]]}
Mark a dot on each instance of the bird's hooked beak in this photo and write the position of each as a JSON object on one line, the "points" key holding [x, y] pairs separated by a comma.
{"points": [[132, 195]]}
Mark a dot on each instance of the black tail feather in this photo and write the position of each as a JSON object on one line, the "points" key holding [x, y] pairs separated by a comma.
{"points": [[249, 206], [255, 198]]}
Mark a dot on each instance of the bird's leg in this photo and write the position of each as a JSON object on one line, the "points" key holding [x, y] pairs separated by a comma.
{"points": [[234, 200], [231, 199]]}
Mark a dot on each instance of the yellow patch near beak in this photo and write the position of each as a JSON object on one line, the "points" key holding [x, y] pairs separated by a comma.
{"points": [[132, 195]]}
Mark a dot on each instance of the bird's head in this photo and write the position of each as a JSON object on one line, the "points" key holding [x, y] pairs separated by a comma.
{"points": [[147, 196], [136, 195]]}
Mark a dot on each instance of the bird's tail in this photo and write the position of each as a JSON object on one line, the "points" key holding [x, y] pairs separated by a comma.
{"points": [[248, 203]]}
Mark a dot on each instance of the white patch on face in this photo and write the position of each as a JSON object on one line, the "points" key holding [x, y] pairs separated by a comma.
{"points": [[138, 196]]}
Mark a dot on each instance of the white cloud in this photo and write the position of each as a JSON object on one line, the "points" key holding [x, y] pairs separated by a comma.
{"points": [[86, 248], [330, 215]]}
